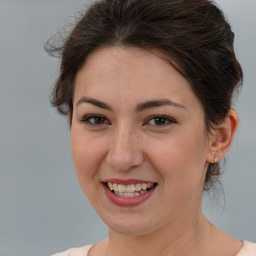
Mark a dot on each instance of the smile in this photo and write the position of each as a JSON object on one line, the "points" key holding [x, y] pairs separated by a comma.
{"points": [[128, 193], [130, 190]]}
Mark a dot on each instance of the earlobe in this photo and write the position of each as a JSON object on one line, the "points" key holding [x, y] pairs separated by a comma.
{"points": [[222, 137]]}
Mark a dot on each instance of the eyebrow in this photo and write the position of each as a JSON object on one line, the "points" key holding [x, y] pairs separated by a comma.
{"points": [[139, 108], [157, 103], [94, 102]]}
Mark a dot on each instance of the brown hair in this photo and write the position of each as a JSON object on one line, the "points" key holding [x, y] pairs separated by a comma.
{"points": [[193, 35]]}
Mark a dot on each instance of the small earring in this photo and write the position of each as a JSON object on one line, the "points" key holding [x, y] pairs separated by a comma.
{"points": [[215, 160]]}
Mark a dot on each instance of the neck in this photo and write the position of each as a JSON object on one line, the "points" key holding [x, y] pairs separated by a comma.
{"points": [[186, 238]]}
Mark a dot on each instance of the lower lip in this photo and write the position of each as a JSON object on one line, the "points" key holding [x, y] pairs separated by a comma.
{"points": [[128, 201]]}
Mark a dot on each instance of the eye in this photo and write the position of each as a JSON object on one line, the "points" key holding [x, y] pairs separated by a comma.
{"points": [[95, 120], [159, 120]]}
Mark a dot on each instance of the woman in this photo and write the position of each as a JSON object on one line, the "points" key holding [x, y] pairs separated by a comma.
{"points": [[147, 86]]}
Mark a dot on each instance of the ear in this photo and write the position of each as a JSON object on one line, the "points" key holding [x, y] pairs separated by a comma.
{"points": [[221, 138]]}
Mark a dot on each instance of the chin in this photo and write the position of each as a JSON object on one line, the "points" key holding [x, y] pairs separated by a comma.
{"points": [[130, 226], [130, 230]]}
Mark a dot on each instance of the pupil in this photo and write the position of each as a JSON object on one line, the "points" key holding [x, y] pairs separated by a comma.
{"points": [[99, 120], [159, 121]]}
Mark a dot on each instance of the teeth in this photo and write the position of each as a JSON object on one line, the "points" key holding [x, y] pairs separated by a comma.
{"points": [[115, 187], [127, 194], [129, 190], [110, 185], [144, 186], [121, 188], [138, 187]]}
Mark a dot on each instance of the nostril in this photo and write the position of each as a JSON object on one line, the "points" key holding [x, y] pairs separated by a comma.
{"points": [[125, 160], [124, 151]]}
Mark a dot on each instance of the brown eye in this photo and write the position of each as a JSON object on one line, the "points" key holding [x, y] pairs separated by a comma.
{"points": [[95, 120], [160, 120], [98, 120]]}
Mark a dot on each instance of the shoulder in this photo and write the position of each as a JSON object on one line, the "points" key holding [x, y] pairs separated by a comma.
{"points": [[81, 251], [249, 249]]}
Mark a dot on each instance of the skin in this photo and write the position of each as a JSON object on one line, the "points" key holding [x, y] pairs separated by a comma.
{"points": [[126, 142]]}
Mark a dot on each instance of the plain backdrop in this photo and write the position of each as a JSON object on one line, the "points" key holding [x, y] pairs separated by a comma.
{"points": [[42, 208]]}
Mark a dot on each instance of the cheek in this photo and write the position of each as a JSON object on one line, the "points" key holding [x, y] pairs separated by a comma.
{"points": [[87, 155], [180, 159], [181, 167]]}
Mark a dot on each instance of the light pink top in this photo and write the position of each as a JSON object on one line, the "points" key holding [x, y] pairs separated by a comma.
{"points": [[249, 249]]}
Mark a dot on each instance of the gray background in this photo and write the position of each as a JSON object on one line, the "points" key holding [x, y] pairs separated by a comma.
{"points": [[42, 209]]}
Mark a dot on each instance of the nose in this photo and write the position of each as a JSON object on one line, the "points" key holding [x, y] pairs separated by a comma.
{"points": [[124, 152]]}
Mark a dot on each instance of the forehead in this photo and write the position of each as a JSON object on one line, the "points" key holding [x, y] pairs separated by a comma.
{"points": [[131, 73]]}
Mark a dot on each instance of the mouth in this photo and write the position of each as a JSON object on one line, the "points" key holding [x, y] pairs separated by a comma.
{"points": [[130, 190]]}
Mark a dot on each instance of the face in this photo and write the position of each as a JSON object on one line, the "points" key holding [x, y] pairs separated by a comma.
{"points": [[139, 141]]}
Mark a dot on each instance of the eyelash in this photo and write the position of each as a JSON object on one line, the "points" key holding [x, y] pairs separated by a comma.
{"points": [[162, 118], [165, 119], [87, 118]]}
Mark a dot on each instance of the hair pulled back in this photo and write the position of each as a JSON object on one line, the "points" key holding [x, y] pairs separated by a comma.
{"points": [[193, 36]]}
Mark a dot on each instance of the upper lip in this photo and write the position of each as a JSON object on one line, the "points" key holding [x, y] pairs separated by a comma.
{"points": [[127, 182]]}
